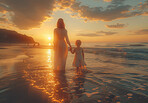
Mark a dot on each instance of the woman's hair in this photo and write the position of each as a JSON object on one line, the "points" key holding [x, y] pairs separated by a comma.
{"points": [[60, 23], [78, 42]]}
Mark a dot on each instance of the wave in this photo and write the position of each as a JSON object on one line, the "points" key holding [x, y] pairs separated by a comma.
{"points": [[122, 45], [129, 53], [137, 45]]}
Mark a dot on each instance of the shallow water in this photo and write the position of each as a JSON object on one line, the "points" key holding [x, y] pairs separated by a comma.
{"points": [[118, 73]]}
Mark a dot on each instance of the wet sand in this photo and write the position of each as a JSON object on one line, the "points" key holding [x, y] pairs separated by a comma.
{"points": [[30, 78]]}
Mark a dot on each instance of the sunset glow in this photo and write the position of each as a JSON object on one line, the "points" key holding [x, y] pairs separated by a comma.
{"points": [[73, 51], [90, 24]]}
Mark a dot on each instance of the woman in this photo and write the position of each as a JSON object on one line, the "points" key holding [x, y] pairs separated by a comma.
{"points": [[60, 46]]}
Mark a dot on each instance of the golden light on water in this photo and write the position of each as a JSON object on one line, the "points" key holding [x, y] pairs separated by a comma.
{"points": [[49, 44], [50, 57], [42, 77]]}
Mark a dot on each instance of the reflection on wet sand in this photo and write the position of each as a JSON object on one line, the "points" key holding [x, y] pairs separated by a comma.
{"points": [[79, 80], [48, 81], [28, 77], [60, 91]]}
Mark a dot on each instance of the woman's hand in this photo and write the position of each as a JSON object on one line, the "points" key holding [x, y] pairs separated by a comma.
{"points": [[70, 48]]}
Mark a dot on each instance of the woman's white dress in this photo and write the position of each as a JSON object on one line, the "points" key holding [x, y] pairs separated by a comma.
{"points": [[60, 48], [78, 59]]}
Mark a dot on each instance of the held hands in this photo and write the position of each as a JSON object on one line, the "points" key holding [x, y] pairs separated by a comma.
{"points": [[70, 48], [72, 51]]}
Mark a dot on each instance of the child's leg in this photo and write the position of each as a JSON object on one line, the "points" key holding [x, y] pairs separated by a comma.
{"points": [[77, 69], [84, 69]]}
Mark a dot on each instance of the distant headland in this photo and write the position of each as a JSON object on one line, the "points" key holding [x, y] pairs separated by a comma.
{"points": [[9, 36]]}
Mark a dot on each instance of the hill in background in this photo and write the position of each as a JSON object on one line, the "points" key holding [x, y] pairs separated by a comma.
{"points": [[9, 36]]}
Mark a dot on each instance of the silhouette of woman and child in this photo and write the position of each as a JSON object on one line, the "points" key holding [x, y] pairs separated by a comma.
{"points": [[61, 50], [60, 55]]}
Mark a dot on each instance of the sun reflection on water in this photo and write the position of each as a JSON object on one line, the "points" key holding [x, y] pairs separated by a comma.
{"points": [[50, 58], [42, 77]]}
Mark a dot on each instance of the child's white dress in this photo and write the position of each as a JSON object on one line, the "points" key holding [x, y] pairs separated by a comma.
{"points": [[78, 59]]}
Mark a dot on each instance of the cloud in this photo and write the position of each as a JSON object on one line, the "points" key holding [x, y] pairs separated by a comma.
{"points": [[107, 0], [116, 26], [115, 10], [3, 8], [62, 4], [3, 19], [117, 2], [145, 13], [107, 32], [143, 6], [98, 33], [90, 35], [141, 32], [26, 14]]}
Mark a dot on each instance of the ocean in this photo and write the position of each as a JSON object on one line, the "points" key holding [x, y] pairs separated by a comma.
{"points": [[118, 73]]}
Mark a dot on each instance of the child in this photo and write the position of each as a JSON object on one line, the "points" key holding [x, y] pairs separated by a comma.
{"points": [[78, 62]]}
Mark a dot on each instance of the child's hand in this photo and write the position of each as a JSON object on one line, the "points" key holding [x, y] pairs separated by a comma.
{"points": [[72, 51]]}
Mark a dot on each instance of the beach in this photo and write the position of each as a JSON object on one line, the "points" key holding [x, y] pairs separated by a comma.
{"points": [[118, 73]]}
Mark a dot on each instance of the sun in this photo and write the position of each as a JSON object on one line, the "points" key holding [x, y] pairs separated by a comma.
{"points": [[49, 38], [49, 41]]}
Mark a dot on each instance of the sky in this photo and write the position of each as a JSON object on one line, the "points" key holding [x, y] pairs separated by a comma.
{"points": [[87, 20]]}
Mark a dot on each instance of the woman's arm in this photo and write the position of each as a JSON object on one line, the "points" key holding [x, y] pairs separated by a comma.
{"points": [[83, 53], [67, 40]]}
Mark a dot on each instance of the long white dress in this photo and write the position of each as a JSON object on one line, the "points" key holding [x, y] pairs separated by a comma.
{"points": [[60, 48], [78, 59]]}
